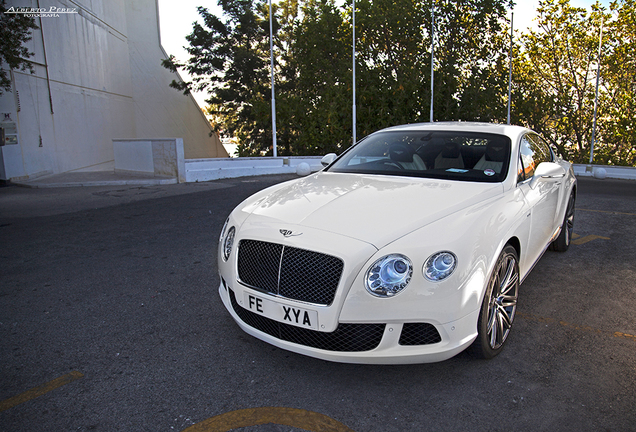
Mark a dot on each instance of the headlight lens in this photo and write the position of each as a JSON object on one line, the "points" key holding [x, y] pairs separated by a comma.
{"points": [[439, 266], [227, 221], [389, 275], [227, 243]]}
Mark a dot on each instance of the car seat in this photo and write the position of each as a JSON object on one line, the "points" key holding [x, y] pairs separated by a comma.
{"points": [[494, 157], [450, 156], [406, 157]]}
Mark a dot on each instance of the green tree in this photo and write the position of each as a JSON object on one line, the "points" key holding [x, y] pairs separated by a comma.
{"points": [[617, 113], [15, 30], [228, 60], [318, 92], [471, 65], [556, 75], [313, 68], [393, 62]]}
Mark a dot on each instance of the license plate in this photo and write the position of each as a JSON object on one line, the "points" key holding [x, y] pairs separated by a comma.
{"points": [[292, 315]]}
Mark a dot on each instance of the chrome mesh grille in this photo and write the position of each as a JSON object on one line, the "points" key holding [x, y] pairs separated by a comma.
{"points": [[294, 273], [346, 338], [258, 264]]}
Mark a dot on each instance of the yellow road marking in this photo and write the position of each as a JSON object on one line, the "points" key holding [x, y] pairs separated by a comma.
{"points": [[540, 319], [588, 238], [40, 390], [607, 211], [625, 335], [583, 240], [298, 418]]}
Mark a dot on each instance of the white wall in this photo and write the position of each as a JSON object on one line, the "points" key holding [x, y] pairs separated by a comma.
{"points": [[200, 170], [162, 111], [156, 157], [105, 82]]}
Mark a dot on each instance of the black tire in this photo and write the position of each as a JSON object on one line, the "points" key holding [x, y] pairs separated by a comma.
{"points": [[498, 307], [562, 242]]}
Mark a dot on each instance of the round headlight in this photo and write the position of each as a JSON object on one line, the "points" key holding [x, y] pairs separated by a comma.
{"points": [[389, 275], [227, 243], [439, 266]]}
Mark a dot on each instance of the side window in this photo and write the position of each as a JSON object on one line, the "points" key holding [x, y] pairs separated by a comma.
{"points": [[541, 147], [521, 176], [549, 147], [528, 163]]}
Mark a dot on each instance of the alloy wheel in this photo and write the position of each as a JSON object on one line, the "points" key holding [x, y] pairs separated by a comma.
{"points": [[503, 300]]}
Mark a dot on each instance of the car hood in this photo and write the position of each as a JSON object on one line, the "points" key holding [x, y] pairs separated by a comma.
{"points": [[371, 208]]}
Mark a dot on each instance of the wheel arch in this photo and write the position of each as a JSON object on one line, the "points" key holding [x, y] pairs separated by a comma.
{"points": [[512, 241], [515, 243]]}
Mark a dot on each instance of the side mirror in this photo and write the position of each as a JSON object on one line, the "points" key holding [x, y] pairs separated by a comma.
{"points": [[328, 159], [547, 171]]}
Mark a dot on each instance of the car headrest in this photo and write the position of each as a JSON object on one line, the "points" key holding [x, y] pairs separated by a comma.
{"points": [[400, 152], [496, 151], [451, 150]]}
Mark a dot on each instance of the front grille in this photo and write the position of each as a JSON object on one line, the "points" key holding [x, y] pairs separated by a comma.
{"points": [[419, 334], [258, 264], [290, 272], [346, 338]]}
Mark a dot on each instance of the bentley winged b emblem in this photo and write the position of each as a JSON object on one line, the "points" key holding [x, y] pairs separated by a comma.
{"points": [[288, 233]]}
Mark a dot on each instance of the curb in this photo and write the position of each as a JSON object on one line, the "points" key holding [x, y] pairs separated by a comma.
{"points": [[97, 183], [605, 171]]}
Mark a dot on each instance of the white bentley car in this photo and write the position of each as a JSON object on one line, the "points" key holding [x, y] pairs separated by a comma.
{"points": [[410, 247]]}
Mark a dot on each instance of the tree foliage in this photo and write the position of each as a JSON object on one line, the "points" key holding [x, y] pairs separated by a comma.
{"points": [[228, 59], [15, 30], [618, 111], [554, 79], [316, 88], [471, 60]]}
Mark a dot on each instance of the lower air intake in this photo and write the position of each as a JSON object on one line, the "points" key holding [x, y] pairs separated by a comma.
{"points": [[419, 334]]}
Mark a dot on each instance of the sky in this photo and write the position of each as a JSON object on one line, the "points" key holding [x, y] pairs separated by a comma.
{"points": [[175, 22]]}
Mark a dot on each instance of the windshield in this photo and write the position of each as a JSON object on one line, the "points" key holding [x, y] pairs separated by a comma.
{"points": [[464, 156]]}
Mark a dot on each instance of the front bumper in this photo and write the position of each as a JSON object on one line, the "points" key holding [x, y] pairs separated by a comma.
{"points": [[388, 342]]}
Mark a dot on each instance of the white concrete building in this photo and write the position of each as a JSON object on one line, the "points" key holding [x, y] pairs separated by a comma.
{"points": [[98, 77]]}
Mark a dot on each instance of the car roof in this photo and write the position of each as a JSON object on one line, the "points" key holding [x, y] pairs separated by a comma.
{"points": [[502, 129]]}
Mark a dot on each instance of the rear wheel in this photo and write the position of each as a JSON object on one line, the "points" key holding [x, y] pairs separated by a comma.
{"points": [[498, 307], [562, 242]]}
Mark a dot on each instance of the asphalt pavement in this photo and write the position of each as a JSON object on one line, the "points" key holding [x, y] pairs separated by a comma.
{"points": [[110, 321]]}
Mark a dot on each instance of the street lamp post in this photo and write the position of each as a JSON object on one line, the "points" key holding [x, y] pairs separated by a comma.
{"points": [[432, 53], [512, 16], [353, 12], [271, 53], [598, 75]]}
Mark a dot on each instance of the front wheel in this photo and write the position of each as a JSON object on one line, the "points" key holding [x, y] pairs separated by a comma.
{"points": [[498, 307]]}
